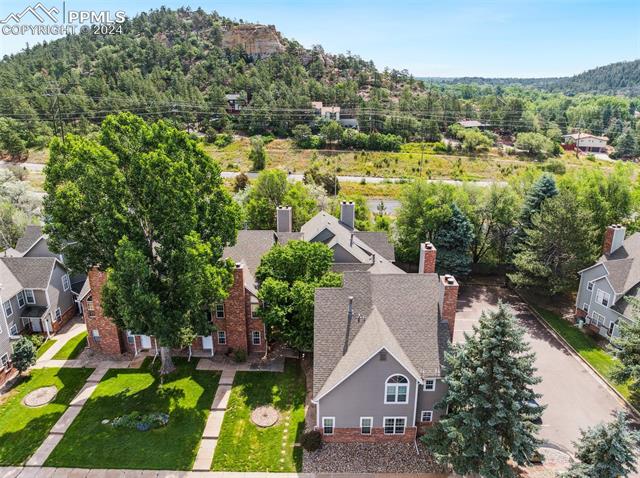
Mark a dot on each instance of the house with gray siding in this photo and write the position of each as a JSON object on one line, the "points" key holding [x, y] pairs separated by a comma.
{"points": [[379, 343], [602, 299], [36, 293]]}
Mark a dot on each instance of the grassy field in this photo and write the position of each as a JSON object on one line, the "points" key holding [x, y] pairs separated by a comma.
{"points": [[22, 428], [244, 446], [44, 347], [186, 396], [588, 349], [406, 163], [72, 348]]}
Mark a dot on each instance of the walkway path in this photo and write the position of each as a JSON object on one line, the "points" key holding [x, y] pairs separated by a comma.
{"points": [[64, 422], [69, 331], [211, 433]]}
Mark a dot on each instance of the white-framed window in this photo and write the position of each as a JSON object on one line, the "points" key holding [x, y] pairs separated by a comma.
{"points": [[21, 300], [366, 425], [14, 329], [426, 416], [328, 425], [585, 307], [590, 285], [4, 361], [394, 425], [219, 311], [612, 326], [95, 333], [254, 310], [603, 297], [58, 315], [255, 337], [8, 310], [429, 384], [30, 296], [66, 284], [396, 389], [222, 337], [597, 319]]}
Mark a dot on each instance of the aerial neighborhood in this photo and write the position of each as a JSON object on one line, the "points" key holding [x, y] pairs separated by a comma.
{"points": [[222, 251]]}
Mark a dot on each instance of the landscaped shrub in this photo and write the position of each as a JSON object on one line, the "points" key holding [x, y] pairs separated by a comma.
{"points": [[311, 440], [239, 355], [36, 340], [141, 422]]}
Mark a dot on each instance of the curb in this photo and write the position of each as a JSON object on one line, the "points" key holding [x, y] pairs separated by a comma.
{"points": [[634, 411]]}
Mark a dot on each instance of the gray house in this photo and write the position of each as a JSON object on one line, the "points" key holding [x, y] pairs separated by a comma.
{"points": [[606, 285], [379, 343], [36, 294]]}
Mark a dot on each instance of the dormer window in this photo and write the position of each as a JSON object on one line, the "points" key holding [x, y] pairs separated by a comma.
{"points": [[396, 389]]}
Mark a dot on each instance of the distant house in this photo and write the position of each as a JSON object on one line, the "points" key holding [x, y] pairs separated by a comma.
{"points": [[472, 124], [234, 103], [37, 293], [606, 285], [334, 113], [585, 142]]}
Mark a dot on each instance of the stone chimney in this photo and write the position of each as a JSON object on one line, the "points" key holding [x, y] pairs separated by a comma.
{"points": [[427, 258], [449, 301], [613, 238], [284, 219], [348, 213]]}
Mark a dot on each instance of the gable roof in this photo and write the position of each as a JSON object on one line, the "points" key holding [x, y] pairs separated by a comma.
{"points": [[30, 236], [407, 304], [250, 246], [623, 265], [379, 242], [25, 273]]}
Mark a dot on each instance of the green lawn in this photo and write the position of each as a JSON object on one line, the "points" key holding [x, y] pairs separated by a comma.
{"points": [[23, 429], [72, 348], [587, 347], [186, 395], [245, 447], [44, 347]]}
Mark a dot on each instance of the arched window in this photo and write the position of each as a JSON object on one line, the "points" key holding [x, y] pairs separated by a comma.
{"points": [[396, 389]]}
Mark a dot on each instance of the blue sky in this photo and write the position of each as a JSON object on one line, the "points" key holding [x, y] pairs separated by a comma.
{"points": [[496, 38]]}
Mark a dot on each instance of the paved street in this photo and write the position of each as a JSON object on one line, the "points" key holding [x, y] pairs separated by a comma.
{"points": [[574, 395]]}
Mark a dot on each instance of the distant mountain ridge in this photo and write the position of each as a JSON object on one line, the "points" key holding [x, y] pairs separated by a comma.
{"points": [[621, 78]]}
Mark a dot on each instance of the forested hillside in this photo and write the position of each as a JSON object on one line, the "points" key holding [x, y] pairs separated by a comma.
{"points": [[621, 78], [179, 64]]}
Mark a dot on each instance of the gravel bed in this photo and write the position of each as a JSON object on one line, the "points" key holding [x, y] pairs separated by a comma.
{"points": [[369, 458]]}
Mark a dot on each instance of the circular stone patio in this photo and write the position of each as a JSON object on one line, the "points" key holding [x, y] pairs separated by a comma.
{"points": [[265, 416], [40, 396]]}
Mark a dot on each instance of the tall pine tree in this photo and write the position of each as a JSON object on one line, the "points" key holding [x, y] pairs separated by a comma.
{"points": [[543, 188], [453, 241], [626, 348], [491, 415], [605, 451]]}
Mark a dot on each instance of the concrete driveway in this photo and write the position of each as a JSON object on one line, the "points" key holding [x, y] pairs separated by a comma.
{"points": [[575, 397]]}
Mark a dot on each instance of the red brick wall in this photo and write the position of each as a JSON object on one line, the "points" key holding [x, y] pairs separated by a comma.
{"points": [[429, 259], [235, 319], [580, 313], [253, 324], [608, 240], [66, 317], [449, 302], [346, 435], [110, 337]]}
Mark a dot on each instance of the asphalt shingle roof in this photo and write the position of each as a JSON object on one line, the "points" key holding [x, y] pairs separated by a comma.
{"points": [[379, 242], [250, 246], [31, 234], [19, 273], [408, 304], [623, 265]]}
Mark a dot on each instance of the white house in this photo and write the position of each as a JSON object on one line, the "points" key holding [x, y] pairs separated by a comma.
{"points": [[586, 142]]}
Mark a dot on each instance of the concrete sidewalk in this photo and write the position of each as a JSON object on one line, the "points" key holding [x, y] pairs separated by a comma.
{"points": [[69, 331]]}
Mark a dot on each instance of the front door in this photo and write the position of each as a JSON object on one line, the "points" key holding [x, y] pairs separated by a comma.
{"points": [[145, 342], [207, 343], [36, 325]]}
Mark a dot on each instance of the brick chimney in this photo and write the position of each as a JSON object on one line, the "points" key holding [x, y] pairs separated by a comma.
{"points": [[427, 258], [235, 312], [613, 238], [449, 300], [348, 213], [104, 336], [284, 219]]}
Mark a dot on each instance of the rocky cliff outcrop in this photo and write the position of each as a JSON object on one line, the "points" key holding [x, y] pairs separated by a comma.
{"points": [[258, 41]]}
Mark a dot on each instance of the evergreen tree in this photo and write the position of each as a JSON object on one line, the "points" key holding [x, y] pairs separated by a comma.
{"points": [[257, 154], [490, 396], [605, 451], [453, 242], [24, 354], [543, 188], [626, 348], [626, 145], [560, 242]]}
